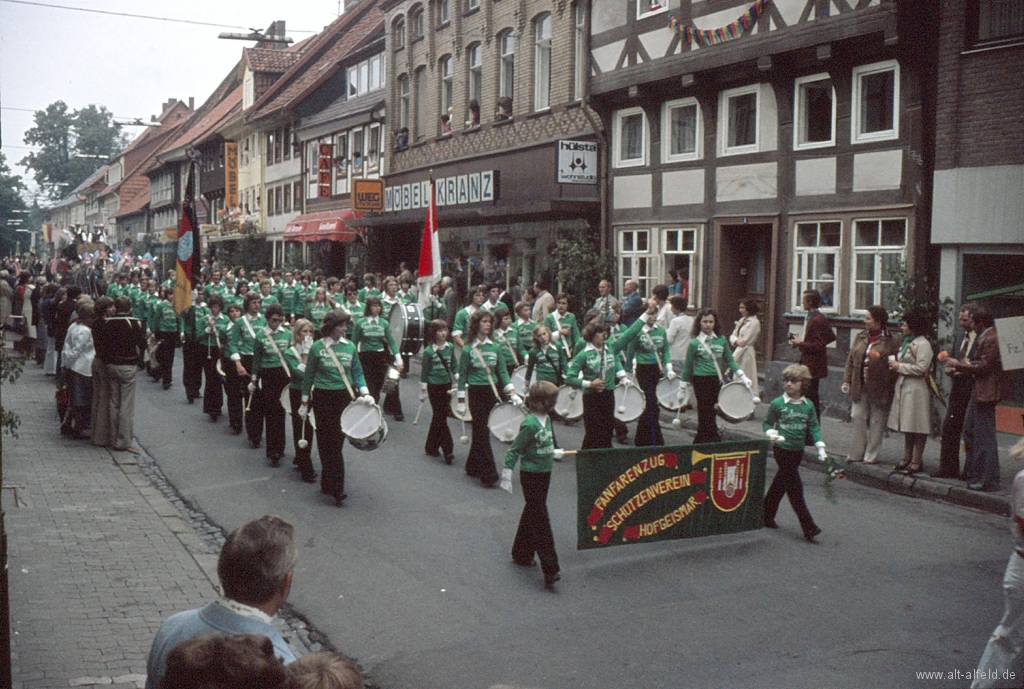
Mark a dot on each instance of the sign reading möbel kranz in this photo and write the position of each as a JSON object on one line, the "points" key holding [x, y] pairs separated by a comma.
{"points": [[659, 493]]}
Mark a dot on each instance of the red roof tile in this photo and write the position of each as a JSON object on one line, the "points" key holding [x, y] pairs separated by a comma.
{"points": [[269, 60], [206, 120]]}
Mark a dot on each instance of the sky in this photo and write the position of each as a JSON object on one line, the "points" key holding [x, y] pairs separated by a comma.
{"points": [[130, 65]]}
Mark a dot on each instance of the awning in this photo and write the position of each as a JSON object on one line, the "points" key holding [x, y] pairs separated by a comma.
{"points": [[326, 225]]}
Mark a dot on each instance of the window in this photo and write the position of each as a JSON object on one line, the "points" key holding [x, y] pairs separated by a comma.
{"points": [[373, 148], [286, 143], [297, 196], [286, 190], [635, 259], [416, 22], [421, 103], [542, 62], [476, 74], [271, 139], [270, 201], [879, 250], [358, 149], [816, 260], [647, 8], [739, 116], [630, 138], [249, 96], [366, 76], [876, 94], [680, 122], [403, 101], [398, 33], [312, 167], [447, 88], [506, 72], [277, 147], [342, 165], [1000, 19], [815, 110], [443, 15], [278, 201], [579, 50], [472, 5], [679, 246]]}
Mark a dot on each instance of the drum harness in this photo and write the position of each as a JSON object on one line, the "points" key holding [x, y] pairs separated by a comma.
{"points": [[511, 349], [556, 369], [714, 360], [487, 369], [341, 370]]}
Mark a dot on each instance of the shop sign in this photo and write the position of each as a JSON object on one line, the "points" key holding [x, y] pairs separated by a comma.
{"points": [[324, 161], [478, 187], [577, 162], [230, 175], [368, 195]]}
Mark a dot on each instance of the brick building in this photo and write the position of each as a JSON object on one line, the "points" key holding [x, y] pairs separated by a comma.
{"points": [[485, 95]]}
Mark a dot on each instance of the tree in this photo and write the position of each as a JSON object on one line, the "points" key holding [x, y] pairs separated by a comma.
{"points": [[580, 266], [73, 144], [11, 188]]}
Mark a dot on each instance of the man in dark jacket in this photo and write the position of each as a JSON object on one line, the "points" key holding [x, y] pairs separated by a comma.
{"points": [[120, 342], [812, 344], [959, 398]]}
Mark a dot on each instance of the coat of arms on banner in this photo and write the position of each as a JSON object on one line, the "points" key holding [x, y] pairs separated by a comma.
{"points": [[730, 474]]}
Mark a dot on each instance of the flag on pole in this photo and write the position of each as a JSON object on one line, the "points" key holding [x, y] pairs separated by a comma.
{"points": [[430, 253], [189, 255]]}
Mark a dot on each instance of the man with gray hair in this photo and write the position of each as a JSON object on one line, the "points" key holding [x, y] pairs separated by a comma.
{"points": [[255, 568], [606, 301]]}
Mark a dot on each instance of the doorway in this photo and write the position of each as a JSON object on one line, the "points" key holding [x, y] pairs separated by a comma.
{"points": [[745, 267]]}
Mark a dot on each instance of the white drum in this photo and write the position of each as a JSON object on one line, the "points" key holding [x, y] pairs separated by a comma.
{"points": [[735, 403], [569, 403], [504, 421], [629, 402], [455, 403], [519, 380], [363, 424], [667, 393]]}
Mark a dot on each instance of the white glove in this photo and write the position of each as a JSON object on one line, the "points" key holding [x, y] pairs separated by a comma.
{"points": [[773, 435], [743, 377], [367, 399], [515, 399], [456, 376], [821, 450], [684, 389], [670, 371], [251, 387], [506, 480], [423, 396], [559, 453], [625, 380], [303, 411], [460, 408]]}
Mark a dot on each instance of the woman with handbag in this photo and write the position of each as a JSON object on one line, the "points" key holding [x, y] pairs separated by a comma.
{"points": [[706, 358], [911, 403]]}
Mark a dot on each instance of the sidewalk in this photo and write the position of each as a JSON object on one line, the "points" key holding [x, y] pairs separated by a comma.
{"points": [[837, 435], [98, 554]]}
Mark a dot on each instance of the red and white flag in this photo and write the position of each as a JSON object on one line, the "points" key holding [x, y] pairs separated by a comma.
{"points": [[430, 253]]}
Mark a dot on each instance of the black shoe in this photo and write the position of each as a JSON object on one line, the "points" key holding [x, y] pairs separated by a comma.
{"points": [[255, 442], [435, 453], [191, 399], [531, 563], [235, 430], [275, 460], [770, 524], [489, 483], [399, 417], [214, 417], [449, 458], [811, 533], [309, 478], [550, 579], [339, 498], [167, 386]]}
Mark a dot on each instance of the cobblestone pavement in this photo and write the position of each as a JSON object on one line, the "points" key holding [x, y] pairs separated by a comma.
{"points": [[101, 551]]}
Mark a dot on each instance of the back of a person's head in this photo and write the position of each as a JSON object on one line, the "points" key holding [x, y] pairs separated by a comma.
{"points": [[323, 670], [216, 661], [255, 560]]}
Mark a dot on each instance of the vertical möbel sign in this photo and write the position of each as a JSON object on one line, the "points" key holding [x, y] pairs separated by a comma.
{"points": [[230, 175]]}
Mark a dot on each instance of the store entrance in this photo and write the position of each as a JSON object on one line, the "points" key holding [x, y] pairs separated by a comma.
{"points": [[744, 268]]}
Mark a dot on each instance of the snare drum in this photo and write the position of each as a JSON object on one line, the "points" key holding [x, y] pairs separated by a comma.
{"points": [[519, 380], [504, 421], [667, 393], [406, 322], [455, 403], [569, 403], [734, 402], [390, 386], [364, 426], [629, 402]]}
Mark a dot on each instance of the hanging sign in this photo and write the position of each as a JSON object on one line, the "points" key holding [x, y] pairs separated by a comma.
{"points": [[324, 161]]}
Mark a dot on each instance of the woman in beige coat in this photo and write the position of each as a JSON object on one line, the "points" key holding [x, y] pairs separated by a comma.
{"points": [[744, 336], [911, 405]]}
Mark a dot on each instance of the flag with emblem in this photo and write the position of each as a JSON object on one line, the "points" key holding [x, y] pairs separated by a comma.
{"points": [[189, 253], [430, 253]]}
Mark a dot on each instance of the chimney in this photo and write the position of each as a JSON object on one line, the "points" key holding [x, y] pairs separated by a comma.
{"points": [[191, 103]]}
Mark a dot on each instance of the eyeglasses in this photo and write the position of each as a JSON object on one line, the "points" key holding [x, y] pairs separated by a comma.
{"points": [[275, 319]]}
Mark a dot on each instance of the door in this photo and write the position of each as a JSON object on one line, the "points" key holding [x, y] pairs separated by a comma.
{"points": [[744, 268]]}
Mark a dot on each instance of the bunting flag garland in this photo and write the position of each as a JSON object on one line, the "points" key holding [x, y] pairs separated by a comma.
{"points": [[704, 37]]}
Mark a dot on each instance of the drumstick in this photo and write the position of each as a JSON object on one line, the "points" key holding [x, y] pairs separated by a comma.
{"points": [[303, 443], [464, 439], [417, 419]]}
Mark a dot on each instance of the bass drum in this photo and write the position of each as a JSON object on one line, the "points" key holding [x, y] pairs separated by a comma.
{"points": [[407, 327], [735, 403], [364, 426], [629, 402], [569, 403], [504, 421], [519, 381], [667, 393], [455, 403]]}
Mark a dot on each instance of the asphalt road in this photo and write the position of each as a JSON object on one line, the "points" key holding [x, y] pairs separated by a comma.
{"points": [[412, 576]]}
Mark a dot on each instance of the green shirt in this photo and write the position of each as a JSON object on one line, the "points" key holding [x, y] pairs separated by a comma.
{"points": [[593, 363], [534, 446], [649, 346], [700, 363], [525, 329], [437, 365], [323, 374], [263, 354], [374, 335], [219, 335], [163, 319], [472, 372], [461, 324], [297, 369], [509, 340], [792, 419], [242, 337], [435, 310], [290, 297], [267, 301], [365, 292], [549, 363], [315, 314], [566, 321]]}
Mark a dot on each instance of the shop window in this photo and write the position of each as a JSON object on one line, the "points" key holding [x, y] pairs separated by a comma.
{"points": [[542, 62], [876, 95], [879, 250], [815, 109], [816, 252], [679, 248], [738, 113], [630, 138], [635, 259], [680, 121]]}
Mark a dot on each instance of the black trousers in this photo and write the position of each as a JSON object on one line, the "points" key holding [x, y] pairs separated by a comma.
{"points": [[953, 426], [439, 437], [705, 389], [192, 357], [598, 418], [165, 354], [648, 426], [480, 462], [301, 429], [253, 404], [328, 405], [534, 533], [273, 382], [787, 482], [375, 370], [811, 392], [213, 390], [234, 390]]}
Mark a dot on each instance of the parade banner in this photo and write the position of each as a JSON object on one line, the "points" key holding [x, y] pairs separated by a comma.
{"points": [[638, 495]]}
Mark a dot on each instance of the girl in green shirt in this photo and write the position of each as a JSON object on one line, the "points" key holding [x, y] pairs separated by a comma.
{"points": [[317, 309], [535, 448], [377, 351], [437, 373], [296, 357], [508, 338], [707, 357], [545, 358]]}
